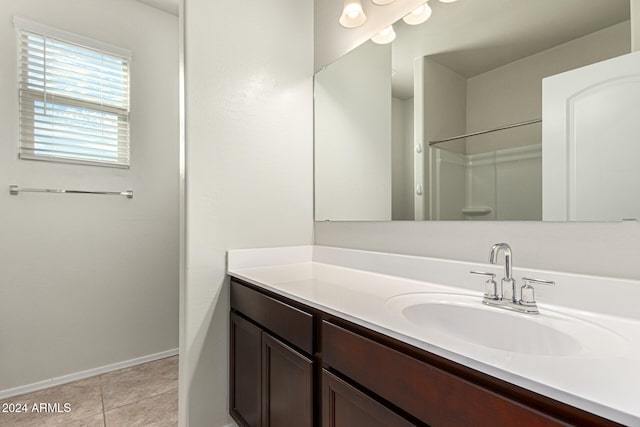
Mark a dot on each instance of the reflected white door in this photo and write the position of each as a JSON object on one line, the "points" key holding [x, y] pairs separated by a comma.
{"points": [[591, 142]]}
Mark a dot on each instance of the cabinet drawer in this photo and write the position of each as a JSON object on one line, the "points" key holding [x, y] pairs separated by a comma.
{"points": [[283, 320], [432, 395]]}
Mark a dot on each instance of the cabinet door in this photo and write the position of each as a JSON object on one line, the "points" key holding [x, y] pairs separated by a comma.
{"points": [[344, 405], [287, 385], [245, 364]]}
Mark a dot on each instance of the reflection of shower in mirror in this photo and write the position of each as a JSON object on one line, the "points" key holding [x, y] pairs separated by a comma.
{"points": [[432, 83]]}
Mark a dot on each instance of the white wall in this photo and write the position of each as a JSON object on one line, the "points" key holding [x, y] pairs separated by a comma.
{"points": [[635, 24], [445, 110], [607, 249], [249, 166], [513, 93], [87, 281], [443, 115], [421, 179], [353, 136], [409, 148], [402, 159]]}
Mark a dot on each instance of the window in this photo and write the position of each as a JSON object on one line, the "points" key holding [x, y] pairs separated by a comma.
{"points": [[74, 98]]}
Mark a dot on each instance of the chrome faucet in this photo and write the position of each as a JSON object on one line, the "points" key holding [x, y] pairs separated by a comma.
{"points": [[509, 291], [504, 296]]}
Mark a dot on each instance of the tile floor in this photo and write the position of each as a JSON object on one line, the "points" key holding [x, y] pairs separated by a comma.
{"points": [[145, 395]]}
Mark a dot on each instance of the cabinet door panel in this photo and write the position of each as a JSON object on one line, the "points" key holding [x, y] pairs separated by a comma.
{"points": [[344, 405], [287, 385], [245, 364]]}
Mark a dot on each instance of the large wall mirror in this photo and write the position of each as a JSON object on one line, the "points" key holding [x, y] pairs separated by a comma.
{"points": [[447, 121]]}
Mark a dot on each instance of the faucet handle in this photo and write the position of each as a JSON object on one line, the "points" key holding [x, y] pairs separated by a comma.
{"points": [[527, 295], [483, 273], [491, 287], [538, 281]]}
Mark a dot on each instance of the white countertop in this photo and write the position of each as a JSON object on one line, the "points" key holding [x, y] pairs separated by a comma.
{"points": [[351, 285]]}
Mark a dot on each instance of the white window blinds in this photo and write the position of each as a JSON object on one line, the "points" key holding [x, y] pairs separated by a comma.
{"points": [[74, 99]]}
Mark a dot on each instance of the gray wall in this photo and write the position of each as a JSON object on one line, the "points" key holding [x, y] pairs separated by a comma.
{"points": [[513, 93], [88, 281], [608, 249], [402, 207], [352, 129], [249, 163]]}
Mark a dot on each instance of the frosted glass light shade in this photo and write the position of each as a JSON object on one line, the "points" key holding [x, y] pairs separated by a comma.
{"points": [[383, 2], [385, 36], [447, 1], [419, 15], [352, 14]]}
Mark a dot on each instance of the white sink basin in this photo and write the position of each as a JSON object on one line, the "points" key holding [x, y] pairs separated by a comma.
{"points": [[455, 318]]}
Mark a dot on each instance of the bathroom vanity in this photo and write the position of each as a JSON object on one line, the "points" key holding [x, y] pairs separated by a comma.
{"points": [[325, 336]]}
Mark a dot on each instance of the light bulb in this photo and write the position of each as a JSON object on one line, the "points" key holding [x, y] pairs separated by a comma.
{"points": [[385, 36], [353, 11], [352, 14], [419, 15], [418, 11]]}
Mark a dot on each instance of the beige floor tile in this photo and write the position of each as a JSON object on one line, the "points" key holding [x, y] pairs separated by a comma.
{"points": [[93, 421], [144, 395], [156, 411], [84, 399], [96, 420], [130, 385]]}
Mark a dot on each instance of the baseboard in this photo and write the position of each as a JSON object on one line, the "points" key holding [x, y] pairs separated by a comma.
{"points": [[41, 385]]}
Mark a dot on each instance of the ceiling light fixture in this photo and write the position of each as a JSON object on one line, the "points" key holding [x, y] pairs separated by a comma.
{"points": [[385, 36], [352, 15], [383, 2], [419, 15], [447, 1]]}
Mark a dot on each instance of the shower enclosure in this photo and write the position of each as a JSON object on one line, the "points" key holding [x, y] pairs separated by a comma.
{"points": [[488, 175]]}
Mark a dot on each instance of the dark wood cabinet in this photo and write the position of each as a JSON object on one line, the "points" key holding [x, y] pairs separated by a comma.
{"points": [[283, 320], [287, 385], [432, 395], [345, 406], [245, 397], [293, 365], [271, 382]]}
